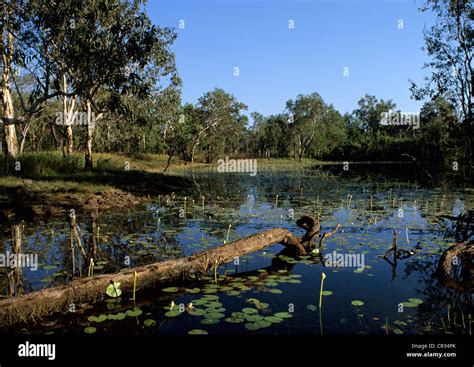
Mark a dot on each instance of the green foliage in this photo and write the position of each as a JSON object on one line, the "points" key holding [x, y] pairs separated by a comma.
{"points": [[113, 290]]}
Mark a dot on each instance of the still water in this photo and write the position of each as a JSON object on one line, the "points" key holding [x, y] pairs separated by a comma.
{"points": [[266, 292]]}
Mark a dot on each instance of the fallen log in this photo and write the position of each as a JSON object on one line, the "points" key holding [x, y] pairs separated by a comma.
{"points": [[453, 256], [38, 304]]}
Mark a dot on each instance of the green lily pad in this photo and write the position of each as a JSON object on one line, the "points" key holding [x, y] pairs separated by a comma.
{"points": [[251, 326], [210, 321], [214, 315], [254, 318], [409, 304], [120, 316], [193, 290], [199, 302], [283, 315], [133, 313], [197, 332], [357, 303], [173, 313], [327, 293], [397, 331], [113, 290], [263, 324], [249, 310], [211, 297], [415, 300], [273, 319], [214, 305], [275, 291], [100, 318], [149, 322], [170, 289], [234, 320], [90, 330], [312, 307], [197, 312]]}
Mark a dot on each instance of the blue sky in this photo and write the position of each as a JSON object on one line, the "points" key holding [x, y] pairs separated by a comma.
{"points": [[277, 63]]}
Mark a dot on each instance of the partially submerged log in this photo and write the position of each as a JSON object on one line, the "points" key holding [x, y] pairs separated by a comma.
{"points": [[38, 304], [458, 254]]}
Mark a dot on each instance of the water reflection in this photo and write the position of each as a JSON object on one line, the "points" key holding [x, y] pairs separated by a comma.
{"points": [[426, 221]]}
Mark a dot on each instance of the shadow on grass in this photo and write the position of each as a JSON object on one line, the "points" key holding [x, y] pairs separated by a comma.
{"points": [[28, 195]]}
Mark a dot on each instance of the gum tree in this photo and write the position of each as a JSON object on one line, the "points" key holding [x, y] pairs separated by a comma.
{"points": [[307, 111], [450, 44], [218, 116]]}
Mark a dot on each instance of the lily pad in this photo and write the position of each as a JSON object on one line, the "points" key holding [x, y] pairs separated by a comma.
{"points": [[120, 316], [212, 297], [249, 310], [214, 315], [283, 315], [173, 313], [327, 293], [234, 320], [263, 324], [409, 304], [133, 313], [273, 319], [275, 291], [113, 290], [415, 300], [254, 318], [210, 321], [197, 312], [197, 332], [357, 303], [312, 307], [170, 289], [214, 305], [90, 330], [149, 322], [100, 318], [193, 290], [210, 290]]}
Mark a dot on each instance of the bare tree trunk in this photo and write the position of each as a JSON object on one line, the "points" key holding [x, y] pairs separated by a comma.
{"points": [[69, 115], [90, 131], [9, 131], [69, 140], [199, 136]]}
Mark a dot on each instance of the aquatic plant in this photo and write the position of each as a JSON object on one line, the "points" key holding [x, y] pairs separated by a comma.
{"points": [[323, 276]]}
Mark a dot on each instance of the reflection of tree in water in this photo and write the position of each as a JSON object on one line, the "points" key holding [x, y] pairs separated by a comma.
{"points": [[460, 228], [443, 307]]}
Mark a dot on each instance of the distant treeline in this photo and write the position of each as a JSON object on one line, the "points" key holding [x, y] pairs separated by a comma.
{"points": [[85, 76]]}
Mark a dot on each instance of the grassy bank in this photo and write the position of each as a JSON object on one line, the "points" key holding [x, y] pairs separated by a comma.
{"points": [[46, 183]]}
